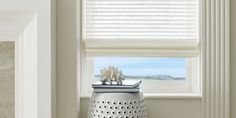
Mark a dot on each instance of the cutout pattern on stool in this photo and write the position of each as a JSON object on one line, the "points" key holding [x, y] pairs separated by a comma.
{"points": [[117, 109]]}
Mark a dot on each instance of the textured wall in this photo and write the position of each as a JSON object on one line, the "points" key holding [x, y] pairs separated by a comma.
{"points": [[7, 80]]}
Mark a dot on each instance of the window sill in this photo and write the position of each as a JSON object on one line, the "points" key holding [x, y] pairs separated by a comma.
{"points": [[165, 96], [172, 95]]}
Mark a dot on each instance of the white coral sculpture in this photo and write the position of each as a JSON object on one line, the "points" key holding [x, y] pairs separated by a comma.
{"points": [[104, 76], [119, 77], [111, 74]]}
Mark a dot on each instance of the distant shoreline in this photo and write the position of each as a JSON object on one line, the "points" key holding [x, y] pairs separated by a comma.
{"points": [[154, 77]]}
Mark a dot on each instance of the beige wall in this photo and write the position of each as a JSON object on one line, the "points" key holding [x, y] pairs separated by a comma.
{"points": [[66, 59], [66, 72], [7, 80], [54, 64], [233, 58]]}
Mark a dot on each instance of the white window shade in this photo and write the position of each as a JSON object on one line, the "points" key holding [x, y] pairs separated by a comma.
{"points": [[173, 22], [161, 48]]}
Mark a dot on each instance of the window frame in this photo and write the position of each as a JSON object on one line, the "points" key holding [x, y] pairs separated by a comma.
{"points": [[191, 49], [193, 81]]}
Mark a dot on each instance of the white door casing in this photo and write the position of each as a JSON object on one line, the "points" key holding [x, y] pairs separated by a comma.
{"points": [[33, 54]]}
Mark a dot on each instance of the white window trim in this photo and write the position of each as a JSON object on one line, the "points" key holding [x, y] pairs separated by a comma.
{"points": [[192, 81]]}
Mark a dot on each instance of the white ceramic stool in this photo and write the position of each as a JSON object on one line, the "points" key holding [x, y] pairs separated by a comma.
{"points": [[117, 105]]}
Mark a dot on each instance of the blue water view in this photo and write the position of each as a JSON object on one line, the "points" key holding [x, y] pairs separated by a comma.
{"points": [[145, 68]]}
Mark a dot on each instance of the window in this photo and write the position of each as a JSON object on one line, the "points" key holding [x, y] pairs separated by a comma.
{"points": [[152, 40], [158, 75]]}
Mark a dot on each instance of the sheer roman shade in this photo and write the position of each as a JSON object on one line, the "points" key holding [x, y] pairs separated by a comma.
{"points": [[132, 26]]}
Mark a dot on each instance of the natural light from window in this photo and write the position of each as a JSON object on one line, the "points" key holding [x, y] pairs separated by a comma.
{"points": [[144, 68]]}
